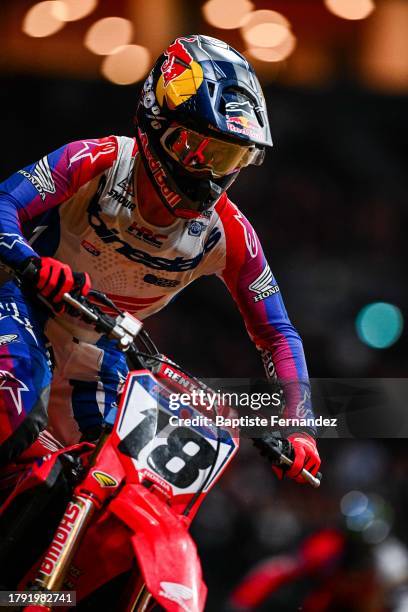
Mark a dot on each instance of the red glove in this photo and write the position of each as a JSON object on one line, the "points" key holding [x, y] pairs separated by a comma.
{"points": [[56, 278], [305, 456]]}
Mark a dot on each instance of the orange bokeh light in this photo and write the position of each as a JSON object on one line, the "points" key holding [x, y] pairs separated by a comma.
{"points": [[128, 64], [220, 14], [105, 35], [40, 20], [265, 29], [350, 9]]}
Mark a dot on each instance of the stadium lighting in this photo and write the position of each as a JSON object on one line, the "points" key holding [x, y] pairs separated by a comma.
{"points": [[350, 9], [40, 20], [71, 10], [274, 54], [106, 35], [265, 29], [379, 325], [127, 64], [219, 14]]}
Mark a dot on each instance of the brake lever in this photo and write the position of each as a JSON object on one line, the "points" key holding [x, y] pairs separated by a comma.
{"points": [[273, 448], [315, 481]]}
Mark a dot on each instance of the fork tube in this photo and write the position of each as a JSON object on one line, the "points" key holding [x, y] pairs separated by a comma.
{"points": [[66, 540], [141, 601]]}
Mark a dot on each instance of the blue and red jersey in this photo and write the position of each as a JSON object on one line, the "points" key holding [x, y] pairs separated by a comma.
{"points": [[82, 208]]}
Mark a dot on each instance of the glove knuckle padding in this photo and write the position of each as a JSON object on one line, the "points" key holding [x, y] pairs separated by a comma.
{"points": [[56, 278]]}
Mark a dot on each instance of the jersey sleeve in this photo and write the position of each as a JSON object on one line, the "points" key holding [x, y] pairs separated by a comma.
{"points": [[251, 283], [45, 184]]}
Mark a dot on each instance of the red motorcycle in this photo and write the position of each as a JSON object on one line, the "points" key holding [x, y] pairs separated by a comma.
{"points": [[109, 520]]}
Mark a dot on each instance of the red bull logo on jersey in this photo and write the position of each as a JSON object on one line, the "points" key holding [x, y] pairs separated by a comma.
{"points": [[158, 172], [181, 75]]}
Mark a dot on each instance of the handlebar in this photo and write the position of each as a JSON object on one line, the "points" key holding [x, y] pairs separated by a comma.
{"points": [[279, 450], [125, 328]]}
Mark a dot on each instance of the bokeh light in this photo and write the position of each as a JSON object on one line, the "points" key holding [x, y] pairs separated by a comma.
{"points": [[274, 54], [379, 324], [71, 10], [353, 503], [350, 9], [106, 35], [265, 28], [220, 14], [376, 531], [40, 19], [128, 64]]}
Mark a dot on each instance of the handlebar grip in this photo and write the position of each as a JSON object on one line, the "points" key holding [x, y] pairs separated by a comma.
{"points": [[315, 481], [30, 271]]}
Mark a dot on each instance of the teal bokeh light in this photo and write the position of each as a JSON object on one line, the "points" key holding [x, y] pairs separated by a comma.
{"points": [[379, 324]]}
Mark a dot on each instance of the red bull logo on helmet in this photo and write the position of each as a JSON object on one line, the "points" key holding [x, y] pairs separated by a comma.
{"points": [[243, 125], [181, 75]]}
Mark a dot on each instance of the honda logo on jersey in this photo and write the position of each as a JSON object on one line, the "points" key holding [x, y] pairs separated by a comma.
{"points": [[263, 286], [41, 178]]}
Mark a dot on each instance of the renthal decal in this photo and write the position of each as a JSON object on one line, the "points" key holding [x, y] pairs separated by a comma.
{"points": [[178, 264], [41, 178], [176, 592], [61, 535], [14, 386], [105, 480], [249, 233], [158, 173], [263, 286], [10, 240], [93, 150], [8, 339]]}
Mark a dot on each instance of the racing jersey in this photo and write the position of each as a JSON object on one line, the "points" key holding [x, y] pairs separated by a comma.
{"points": [[82, 204]]}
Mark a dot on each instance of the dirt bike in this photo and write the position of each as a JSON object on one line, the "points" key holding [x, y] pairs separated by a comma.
{"points": [[110, 520]]}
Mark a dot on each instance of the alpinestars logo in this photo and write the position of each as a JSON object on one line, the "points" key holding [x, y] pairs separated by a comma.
{"points": [[41, 178], [262, 285], [8, 382], [8, 339], [249, 233], [93, 149]]}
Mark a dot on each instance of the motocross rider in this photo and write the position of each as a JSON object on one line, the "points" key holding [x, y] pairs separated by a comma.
{"points": [[144, 216]]}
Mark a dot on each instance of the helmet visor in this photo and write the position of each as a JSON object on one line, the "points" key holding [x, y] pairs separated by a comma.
{"points": [[204, 154]]}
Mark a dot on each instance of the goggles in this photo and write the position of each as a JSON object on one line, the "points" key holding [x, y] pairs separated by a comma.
{"points": [[203, 154]]}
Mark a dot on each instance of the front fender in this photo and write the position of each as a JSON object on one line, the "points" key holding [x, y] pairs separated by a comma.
{"points": [[165, 551]]}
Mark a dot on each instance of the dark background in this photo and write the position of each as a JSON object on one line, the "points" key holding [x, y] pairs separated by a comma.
{"points": [[329, 205]]}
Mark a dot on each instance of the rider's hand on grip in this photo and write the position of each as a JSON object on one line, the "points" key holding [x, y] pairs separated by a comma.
{"points": [[54, 278], [305, 456]]}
